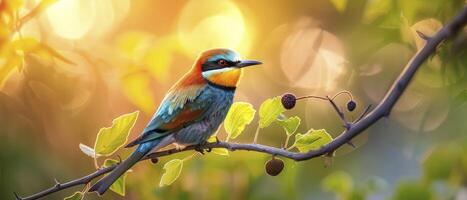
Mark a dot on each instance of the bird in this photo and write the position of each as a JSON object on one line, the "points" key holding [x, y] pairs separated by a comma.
{"points": [[191, 111]]}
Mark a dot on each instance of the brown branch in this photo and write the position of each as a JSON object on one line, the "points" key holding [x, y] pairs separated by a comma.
{"points": [[383, 109], [61, 186]]}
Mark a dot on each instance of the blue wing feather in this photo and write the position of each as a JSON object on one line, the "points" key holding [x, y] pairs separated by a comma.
{"points": [[170, 111]]}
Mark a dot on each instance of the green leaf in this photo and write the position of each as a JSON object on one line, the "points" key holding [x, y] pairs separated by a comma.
{"points": [[119, 185], [269, 111], [75, 196], [290, 125], [339, 4], [339, 182], [312, 140], [219, 151], [413, 191], [88, 151], [239, 115], [109, 139], [172, 169]]}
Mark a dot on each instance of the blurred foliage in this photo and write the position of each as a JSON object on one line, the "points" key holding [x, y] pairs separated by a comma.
{"points": [[342, 184], [68, 67], [444, 165], [412, 190]]}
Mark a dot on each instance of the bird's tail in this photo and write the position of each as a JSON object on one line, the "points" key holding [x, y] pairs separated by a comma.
{"points": [[103, 184]]}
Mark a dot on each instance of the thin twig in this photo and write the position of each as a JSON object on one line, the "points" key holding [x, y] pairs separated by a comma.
{"points": [[423, 36], [341, 114], [333, 103], [383, 109], [339, 111], [312, 96], [367, 109]]}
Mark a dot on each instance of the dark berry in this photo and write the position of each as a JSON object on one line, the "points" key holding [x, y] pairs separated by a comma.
{"points": [[154, 160], [288, 101], [274, 166], [351, 105]]}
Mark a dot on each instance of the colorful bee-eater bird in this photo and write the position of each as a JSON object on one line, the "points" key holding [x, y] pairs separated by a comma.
{"points": [[191, 111]]}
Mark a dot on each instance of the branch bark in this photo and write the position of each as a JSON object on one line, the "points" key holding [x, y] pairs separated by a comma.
{"points": [[383, 109]]}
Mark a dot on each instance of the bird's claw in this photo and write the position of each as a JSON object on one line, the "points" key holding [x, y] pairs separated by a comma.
{"points": [[201, 148]]}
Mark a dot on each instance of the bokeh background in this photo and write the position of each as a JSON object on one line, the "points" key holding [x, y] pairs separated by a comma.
{"points": [[127, 54]]}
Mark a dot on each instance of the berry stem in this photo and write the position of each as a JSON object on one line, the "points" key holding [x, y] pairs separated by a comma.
{"points": [[290, 148], [286, 141], [95, 162], [349, 94], [312, 96], [256, 135]]}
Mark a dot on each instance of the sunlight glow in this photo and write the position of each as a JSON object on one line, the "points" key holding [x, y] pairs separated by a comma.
{"points": [[211, 24], [72, 19], [75, 19]]}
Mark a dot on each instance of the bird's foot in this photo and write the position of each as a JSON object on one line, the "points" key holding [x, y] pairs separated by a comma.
{"points": [[201, 148], [179, 147]]}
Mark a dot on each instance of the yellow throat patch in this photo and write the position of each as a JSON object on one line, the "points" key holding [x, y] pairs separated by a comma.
{"points": [[228, 78]]}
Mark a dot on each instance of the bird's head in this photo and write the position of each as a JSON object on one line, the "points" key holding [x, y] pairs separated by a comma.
{"points": [[222, 66]]}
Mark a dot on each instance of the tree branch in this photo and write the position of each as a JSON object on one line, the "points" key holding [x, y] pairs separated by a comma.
{"points": [[358, 126]]}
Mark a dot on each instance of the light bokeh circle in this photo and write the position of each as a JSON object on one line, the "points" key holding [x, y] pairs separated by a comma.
{"points": [[206, 24]]}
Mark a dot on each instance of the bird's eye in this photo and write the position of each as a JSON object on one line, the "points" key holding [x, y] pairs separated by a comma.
{"points": [[222, 62]]}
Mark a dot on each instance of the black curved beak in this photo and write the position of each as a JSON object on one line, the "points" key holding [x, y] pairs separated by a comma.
{"points": [[246, 63]]}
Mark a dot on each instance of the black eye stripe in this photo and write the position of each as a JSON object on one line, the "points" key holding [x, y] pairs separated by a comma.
{"points": [[230, 63], [208, 66], [212, 65]]}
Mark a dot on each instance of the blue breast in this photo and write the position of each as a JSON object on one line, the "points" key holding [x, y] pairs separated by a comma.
{"points": [[200, 131]]}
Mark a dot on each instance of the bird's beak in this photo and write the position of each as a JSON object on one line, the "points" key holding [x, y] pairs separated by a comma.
{"points": [[246, 63]]}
